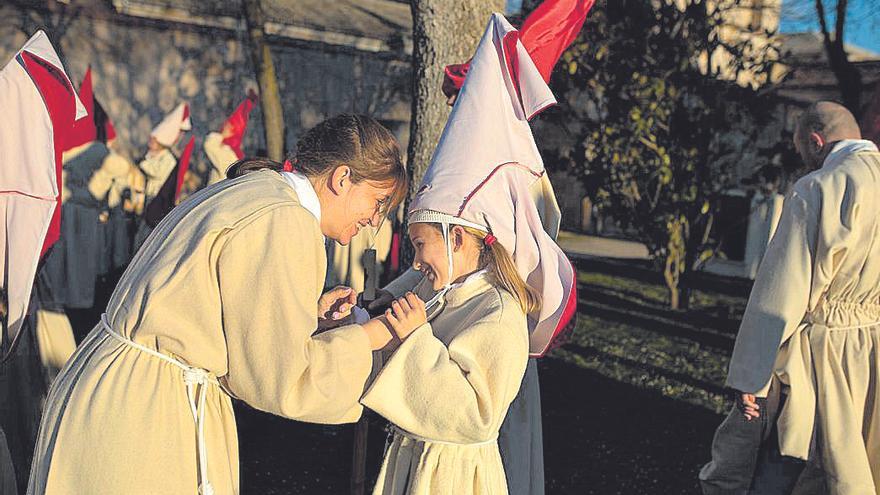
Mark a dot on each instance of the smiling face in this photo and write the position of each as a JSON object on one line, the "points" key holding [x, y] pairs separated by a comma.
{"points": [[430, 253], [347, 207]]}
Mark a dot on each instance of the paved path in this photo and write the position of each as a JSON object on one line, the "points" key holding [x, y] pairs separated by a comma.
{"points": [[602, 246]]}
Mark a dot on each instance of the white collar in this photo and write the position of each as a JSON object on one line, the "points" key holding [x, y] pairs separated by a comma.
{"points": [[847, 147], [442, 292], [308, 198]]}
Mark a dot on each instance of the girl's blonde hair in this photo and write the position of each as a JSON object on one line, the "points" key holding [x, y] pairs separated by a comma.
{"points": [[499, 262]]}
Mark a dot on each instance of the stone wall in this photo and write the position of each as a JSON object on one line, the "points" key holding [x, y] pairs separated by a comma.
{"points": [[142, 68]]}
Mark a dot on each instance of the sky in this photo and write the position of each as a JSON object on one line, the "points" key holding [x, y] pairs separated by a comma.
{"points": [[862, 20]]}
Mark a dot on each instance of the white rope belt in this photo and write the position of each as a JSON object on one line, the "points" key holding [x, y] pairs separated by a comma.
{"points": [[411, 436], [196, 380]]}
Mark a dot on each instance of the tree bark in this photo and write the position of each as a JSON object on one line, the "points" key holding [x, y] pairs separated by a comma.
{"points": [[444, 32], [264, 68], [849, 79]]}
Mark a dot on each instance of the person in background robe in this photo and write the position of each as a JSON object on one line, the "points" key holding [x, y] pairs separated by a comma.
{"points": [[224, 300], [160, 160], [73, 266], [40, 106], [805, 360], [224, 148]]}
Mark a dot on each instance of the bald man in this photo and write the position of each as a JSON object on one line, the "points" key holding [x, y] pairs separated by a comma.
{"points": [[806, 363]]}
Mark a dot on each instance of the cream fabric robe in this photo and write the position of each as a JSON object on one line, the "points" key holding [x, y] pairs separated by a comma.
{"points": [[447, 389], [813, 321], [220, 155], [228, 282], [156, 167], [521, 438]]}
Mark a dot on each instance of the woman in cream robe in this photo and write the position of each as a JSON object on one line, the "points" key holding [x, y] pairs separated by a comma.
{"points": [[447, 389], [227, 286]]}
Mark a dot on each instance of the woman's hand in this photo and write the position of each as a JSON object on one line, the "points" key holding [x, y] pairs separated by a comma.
{"points": [[406, 314], [334, 306]]}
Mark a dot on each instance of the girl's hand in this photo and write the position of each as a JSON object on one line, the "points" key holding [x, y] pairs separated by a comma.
{"points": [[406, 314]]}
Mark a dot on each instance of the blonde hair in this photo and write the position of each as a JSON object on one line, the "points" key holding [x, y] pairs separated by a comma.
{"points": [[501, 265]]}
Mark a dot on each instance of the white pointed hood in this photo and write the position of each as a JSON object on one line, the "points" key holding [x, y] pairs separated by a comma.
{"points": [[486, 161], [168, 131], [39, 107]]}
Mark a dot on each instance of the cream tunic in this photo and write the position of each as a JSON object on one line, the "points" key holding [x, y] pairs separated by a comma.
{"points": [[220, 155], [447, 390], [229, 283], [813, 321], [521, 438], [156, 167]]}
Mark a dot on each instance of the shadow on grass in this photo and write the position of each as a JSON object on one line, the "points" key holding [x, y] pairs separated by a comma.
{"points": [[605, 437], [592, 352], [632, 318]]}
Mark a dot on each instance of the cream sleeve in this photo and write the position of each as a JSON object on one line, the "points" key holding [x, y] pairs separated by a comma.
{"points": [[270, 274], [458, 393]]}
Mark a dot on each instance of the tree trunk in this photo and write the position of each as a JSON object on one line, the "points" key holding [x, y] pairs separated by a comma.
{"points": [[849, 79], [264, 68], [444, 32]]}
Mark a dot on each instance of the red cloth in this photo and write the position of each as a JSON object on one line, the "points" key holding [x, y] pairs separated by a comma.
{"points": [[109, 129], [238, 123], [84, 130], [183, 166], [546, 33], [57, 94], [871, 119]]}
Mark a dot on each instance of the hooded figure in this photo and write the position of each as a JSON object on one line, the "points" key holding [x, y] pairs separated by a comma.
{"points": [[167, 197], [40, 107], [481, 177], [224, 148], [545, 34], [159, 160]]}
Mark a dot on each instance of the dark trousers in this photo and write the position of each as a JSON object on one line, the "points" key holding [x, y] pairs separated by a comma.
{"points": [[745, 454]]}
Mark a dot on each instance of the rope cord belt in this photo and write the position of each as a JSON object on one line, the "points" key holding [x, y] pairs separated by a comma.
{"points": [[196, 380], [417, 438]]}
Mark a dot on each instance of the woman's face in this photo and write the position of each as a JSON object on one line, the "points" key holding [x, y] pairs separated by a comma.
{"points": [[347, 207], [430, 257]]}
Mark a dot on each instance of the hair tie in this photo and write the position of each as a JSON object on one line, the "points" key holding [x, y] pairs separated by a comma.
{"points": [[489, 240], [287, 167]]}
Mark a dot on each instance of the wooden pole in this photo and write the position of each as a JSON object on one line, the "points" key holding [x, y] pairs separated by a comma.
{"points": [[362, 429]]}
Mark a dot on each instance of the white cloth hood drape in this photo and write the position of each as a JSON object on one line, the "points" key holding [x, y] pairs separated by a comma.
{"points": [[487, 159], [39, 103], [168, 131]]}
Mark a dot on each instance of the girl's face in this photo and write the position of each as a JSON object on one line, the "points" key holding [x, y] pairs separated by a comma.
{"points": [[430, 257]]}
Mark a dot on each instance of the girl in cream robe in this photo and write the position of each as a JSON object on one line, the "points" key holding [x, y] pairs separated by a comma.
{"points": [[447, 389], [521, 437], [220, 302]]}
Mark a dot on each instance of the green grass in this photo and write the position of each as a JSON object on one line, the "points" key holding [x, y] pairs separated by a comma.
{"points": [[626, 332]]}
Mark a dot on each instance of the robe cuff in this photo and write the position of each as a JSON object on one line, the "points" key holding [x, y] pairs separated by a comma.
{"points": [[385, 390], [351, 349]]}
